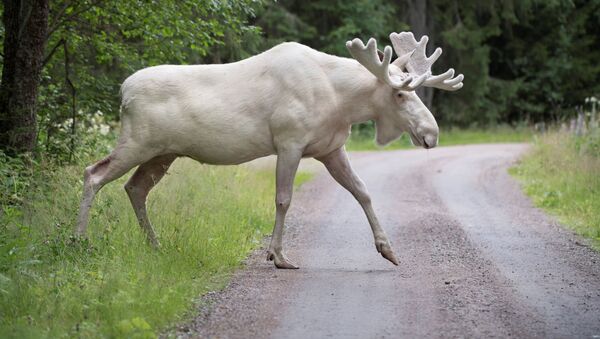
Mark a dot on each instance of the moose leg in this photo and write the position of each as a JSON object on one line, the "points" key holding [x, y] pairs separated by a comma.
{"points": [[121, 160], [339, 167], [140, 184], [287, 164]]}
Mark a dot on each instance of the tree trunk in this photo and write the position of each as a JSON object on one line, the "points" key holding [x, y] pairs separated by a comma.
{"points": [[25, 25], [416, 15]]}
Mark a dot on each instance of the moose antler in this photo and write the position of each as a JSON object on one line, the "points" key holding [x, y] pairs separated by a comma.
{"points": [[369, 58], [419, 63], [412, 60]]}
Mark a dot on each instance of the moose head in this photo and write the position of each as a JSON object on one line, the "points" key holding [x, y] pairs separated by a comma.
{"points": [[405, 112]]}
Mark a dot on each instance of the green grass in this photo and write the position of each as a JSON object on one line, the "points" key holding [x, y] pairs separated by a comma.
{"points": [[114, 285], [564, 180], [448, 137]]}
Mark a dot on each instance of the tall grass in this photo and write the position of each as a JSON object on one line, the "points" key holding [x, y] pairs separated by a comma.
{"points": [[114, 285], [562, 175], [364, 141]]}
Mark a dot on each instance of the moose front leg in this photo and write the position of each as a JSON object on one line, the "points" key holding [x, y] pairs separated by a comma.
{"points": [[287, 165], [338, 165]]}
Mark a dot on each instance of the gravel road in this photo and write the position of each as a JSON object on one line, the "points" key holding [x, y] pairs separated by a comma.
{"points": [[477, 259]]}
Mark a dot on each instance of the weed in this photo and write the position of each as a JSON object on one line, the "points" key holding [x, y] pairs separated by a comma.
{"points": [[561, 176], [114, 285]]}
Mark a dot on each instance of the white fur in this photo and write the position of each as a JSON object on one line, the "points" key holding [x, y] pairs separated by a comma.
{"points": [[291, 101], [289, 96]]}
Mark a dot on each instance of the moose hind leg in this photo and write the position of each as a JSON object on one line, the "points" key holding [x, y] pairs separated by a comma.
{"points": [[95, 176], [91, 186], [140, 184]]}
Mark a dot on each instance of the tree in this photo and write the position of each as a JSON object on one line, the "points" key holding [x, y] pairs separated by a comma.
{"points": [[25, 27], [420, 20], [92, 46], [524, 61], [327, 25]]}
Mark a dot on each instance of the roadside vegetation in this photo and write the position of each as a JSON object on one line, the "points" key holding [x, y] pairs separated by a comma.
{"points": [[114, 285], [363, 139], [562, 175]]}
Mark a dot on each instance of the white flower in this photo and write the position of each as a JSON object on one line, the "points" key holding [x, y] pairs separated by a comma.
{"points": [[104, 129]]}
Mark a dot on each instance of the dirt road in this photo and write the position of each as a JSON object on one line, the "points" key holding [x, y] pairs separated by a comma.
{"points": [[477, 260]]}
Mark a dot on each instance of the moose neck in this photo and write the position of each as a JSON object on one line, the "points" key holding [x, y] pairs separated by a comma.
{"points": [[358, 92]]}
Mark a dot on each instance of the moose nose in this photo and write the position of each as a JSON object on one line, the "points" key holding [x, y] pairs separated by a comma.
{"points": [[430, 141]]}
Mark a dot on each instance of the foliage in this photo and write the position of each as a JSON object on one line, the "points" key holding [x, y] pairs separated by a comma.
{"points": [[589, 144], [115, 285], [523, 60], [103, 42], [326, 25], [15, 179], [561, 176]]}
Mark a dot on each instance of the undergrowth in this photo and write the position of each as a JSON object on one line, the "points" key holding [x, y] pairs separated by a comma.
{"points": [[114, 285], [561, 174]]}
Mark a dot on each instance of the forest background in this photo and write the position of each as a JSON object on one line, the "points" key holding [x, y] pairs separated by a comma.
{"points": [[524, 62]]}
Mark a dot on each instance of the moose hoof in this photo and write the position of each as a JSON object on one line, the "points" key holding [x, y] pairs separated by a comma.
{"points": [[280, 260], [386, 251]]}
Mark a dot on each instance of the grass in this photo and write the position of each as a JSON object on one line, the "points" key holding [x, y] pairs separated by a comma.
{"points": [[448, 137], [114, 285], [563, 178]]}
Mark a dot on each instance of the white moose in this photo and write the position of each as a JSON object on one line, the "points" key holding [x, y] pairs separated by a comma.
{"points": [[291, 101]]}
